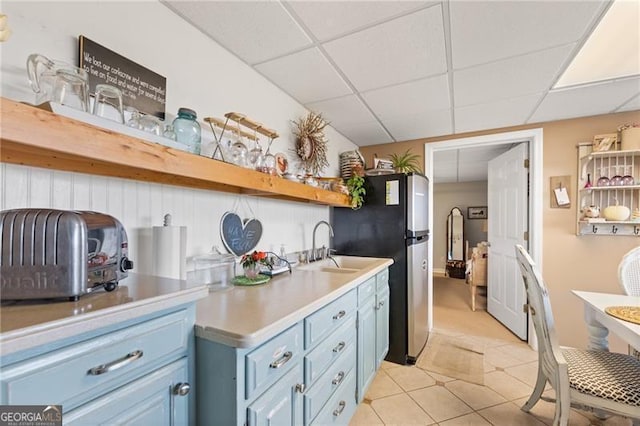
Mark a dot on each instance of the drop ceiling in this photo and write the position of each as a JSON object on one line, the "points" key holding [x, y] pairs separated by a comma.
{"points": [[387, 71]]}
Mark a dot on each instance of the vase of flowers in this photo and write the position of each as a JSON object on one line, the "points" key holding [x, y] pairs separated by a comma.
{"points": [[251, 263]]}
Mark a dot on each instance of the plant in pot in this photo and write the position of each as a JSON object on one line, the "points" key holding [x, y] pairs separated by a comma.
{"points": [[251, 263], [356, 191], [406, 162]]}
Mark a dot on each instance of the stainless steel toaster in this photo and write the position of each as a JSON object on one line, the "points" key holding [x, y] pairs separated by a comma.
{"points": [[48, 253]]}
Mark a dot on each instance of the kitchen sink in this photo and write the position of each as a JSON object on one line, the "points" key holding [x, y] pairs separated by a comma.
{"points": [[340, 264]]}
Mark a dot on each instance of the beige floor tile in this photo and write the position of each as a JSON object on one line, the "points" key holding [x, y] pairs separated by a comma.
{"points": [[387, 365], [508, 414], [382, 386], [500, 357], [527, 373], [472, 419], [521, 351], [476, 396], [611, 421], [365, 416], [506, 385], [441, 377], [544, 411], [439, 403], [400, 410], [411, 377]]}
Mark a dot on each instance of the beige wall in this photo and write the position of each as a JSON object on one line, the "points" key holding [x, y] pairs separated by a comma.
{"points": [[569, 262], [445, 197]]}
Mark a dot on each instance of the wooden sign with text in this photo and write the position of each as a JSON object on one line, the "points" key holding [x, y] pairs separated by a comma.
{"points": [[141, 88]]}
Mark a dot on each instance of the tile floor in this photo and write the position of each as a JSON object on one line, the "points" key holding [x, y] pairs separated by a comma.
{"points": [[407, 395]]}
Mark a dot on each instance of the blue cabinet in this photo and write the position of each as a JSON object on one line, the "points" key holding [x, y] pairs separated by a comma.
{"points": [[373, 329], [136, 372], [281, 405]]}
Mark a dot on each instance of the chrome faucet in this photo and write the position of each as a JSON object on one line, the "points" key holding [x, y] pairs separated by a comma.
{"points": [[314, 255]]}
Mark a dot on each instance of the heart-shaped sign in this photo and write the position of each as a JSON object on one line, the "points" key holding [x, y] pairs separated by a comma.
{"points": [[237, 236]]}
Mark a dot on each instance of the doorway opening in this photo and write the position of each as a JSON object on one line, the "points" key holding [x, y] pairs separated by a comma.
{"points": [[534, 139]]}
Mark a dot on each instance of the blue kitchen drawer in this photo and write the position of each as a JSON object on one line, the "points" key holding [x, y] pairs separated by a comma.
{"points": [[342, 404], [318, 360], [271, 360], [333, 378], [324, 321], [366, 290], [382, 280], [76, 374]]}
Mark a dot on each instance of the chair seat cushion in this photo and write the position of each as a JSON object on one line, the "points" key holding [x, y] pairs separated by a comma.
{"points": [[605, 375]]}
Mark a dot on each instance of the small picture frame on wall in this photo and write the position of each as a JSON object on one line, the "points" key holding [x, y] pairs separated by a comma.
{"points": [[477, 212]]}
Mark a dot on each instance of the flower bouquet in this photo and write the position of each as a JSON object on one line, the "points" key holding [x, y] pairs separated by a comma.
{"points": [[251, 263]]}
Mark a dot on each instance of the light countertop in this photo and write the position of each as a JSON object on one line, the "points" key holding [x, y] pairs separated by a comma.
{"points": [[247, 316], [26, 324]]}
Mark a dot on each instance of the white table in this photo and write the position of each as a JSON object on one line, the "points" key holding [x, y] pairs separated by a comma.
{"points": [[599, 323]]}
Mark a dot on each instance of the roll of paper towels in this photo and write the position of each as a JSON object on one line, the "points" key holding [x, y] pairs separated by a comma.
{"points": [[170, 251]]}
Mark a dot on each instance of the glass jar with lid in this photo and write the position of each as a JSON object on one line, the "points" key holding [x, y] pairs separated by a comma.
{"points": [[187, 129]]}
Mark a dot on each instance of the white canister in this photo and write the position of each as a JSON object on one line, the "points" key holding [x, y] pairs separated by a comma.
{"points": [[630, 139]]}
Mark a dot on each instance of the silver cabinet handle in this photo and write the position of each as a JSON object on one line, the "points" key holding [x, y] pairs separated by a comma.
{"points": [[114, 365], [338, 379], [282, 361], [340, 408], [339, 315], [181, 389], [300, 387], [340, 346]]}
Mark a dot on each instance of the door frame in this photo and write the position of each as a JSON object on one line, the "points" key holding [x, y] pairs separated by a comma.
{"points": [[535, 139]]}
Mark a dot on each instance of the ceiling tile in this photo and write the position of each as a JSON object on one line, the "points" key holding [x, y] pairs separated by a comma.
{"points": [[485, 31], [252, 30], [330, 19], [397, 51], [503, 113], [365, 133], [408, 127], [415, 98], [307, 76], [509, 78], [597, 99], [632, 105], [347, 110]]}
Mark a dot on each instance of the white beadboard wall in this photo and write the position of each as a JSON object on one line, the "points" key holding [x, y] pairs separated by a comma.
{"points": [[201, 75]]}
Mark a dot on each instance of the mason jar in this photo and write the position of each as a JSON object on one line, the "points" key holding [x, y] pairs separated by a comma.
{"points": [[187, 129]]}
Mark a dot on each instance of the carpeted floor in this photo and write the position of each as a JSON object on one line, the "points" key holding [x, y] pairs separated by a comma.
{"points": [[452, 310]]}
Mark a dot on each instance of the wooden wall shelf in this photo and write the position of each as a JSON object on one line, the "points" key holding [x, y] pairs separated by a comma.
{"points": [[35, 137]]}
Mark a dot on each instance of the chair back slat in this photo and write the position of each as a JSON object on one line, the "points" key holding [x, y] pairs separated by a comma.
{"points": [[549, 354], [629, 272]]}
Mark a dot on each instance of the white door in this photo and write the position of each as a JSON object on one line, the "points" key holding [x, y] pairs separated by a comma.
{"points": [[508, 218]]}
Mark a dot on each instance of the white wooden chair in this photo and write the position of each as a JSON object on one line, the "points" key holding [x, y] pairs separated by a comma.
{"points": [[586, 379], [629, 280]]}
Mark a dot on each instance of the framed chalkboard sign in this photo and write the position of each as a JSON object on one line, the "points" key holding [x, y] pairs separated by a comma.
{"points": [[239, 236], [141, 88]]}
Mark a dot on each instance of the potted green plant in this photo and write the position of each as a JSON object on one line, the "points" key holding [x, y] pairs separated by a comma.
{"points": [[356, 191], [406, 162]]}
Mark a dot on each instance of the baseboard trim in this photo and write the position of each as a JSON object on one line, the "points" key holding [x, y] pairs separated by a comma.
{"points": [[439, 272]]}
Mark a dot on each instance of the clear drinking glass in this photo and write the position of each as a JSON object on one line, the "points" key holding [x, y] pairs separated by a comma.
{"points": [[151, 123], [108, 103], [70, 88]]}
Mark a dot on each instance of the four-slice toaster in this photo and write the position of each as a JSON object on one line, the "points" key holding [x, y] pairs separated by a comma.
{"points": [[48, 253]]}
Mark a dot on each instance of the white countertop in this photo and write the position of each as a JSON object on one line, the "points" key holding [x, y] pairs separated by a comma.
{"points": [[27, 324], [247, 316]]}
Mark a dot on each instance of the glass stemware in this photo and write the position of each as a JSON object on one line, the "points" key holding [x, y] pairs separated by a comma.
{"points": [[628, 179]]}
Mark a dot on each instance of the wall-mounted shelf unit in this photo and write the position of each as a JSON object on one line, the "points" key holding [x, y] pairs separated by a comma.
{"points": [[607, 178], [35, 137]]}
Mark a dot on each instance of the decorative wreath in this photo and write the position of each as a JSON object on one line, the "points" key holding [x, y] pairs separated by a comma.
{"points": [[311, 145]]}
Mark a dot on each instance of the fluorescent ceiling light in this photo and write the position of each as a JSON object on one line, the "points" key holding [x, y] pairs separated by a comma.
{"points": [[611, 51]]}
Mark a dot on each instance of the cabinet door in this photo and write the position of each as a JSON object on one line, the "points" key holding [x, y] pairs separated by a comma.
{"points": [[281, 404], [382, 326], [366, 346], [153, 400]]}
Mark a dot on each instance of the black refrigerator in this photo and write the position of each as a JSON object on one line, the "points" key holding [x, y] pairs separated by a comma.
{"points": [[393, 223]]}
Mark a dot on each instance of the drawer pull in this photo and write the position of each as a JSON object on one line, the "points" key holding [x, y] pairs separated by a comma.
{"points": [[282, 361], [338, 379], [181, 389], [114, 365], [340, 409], [339, 347], [300, 387], [339, 315]]}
